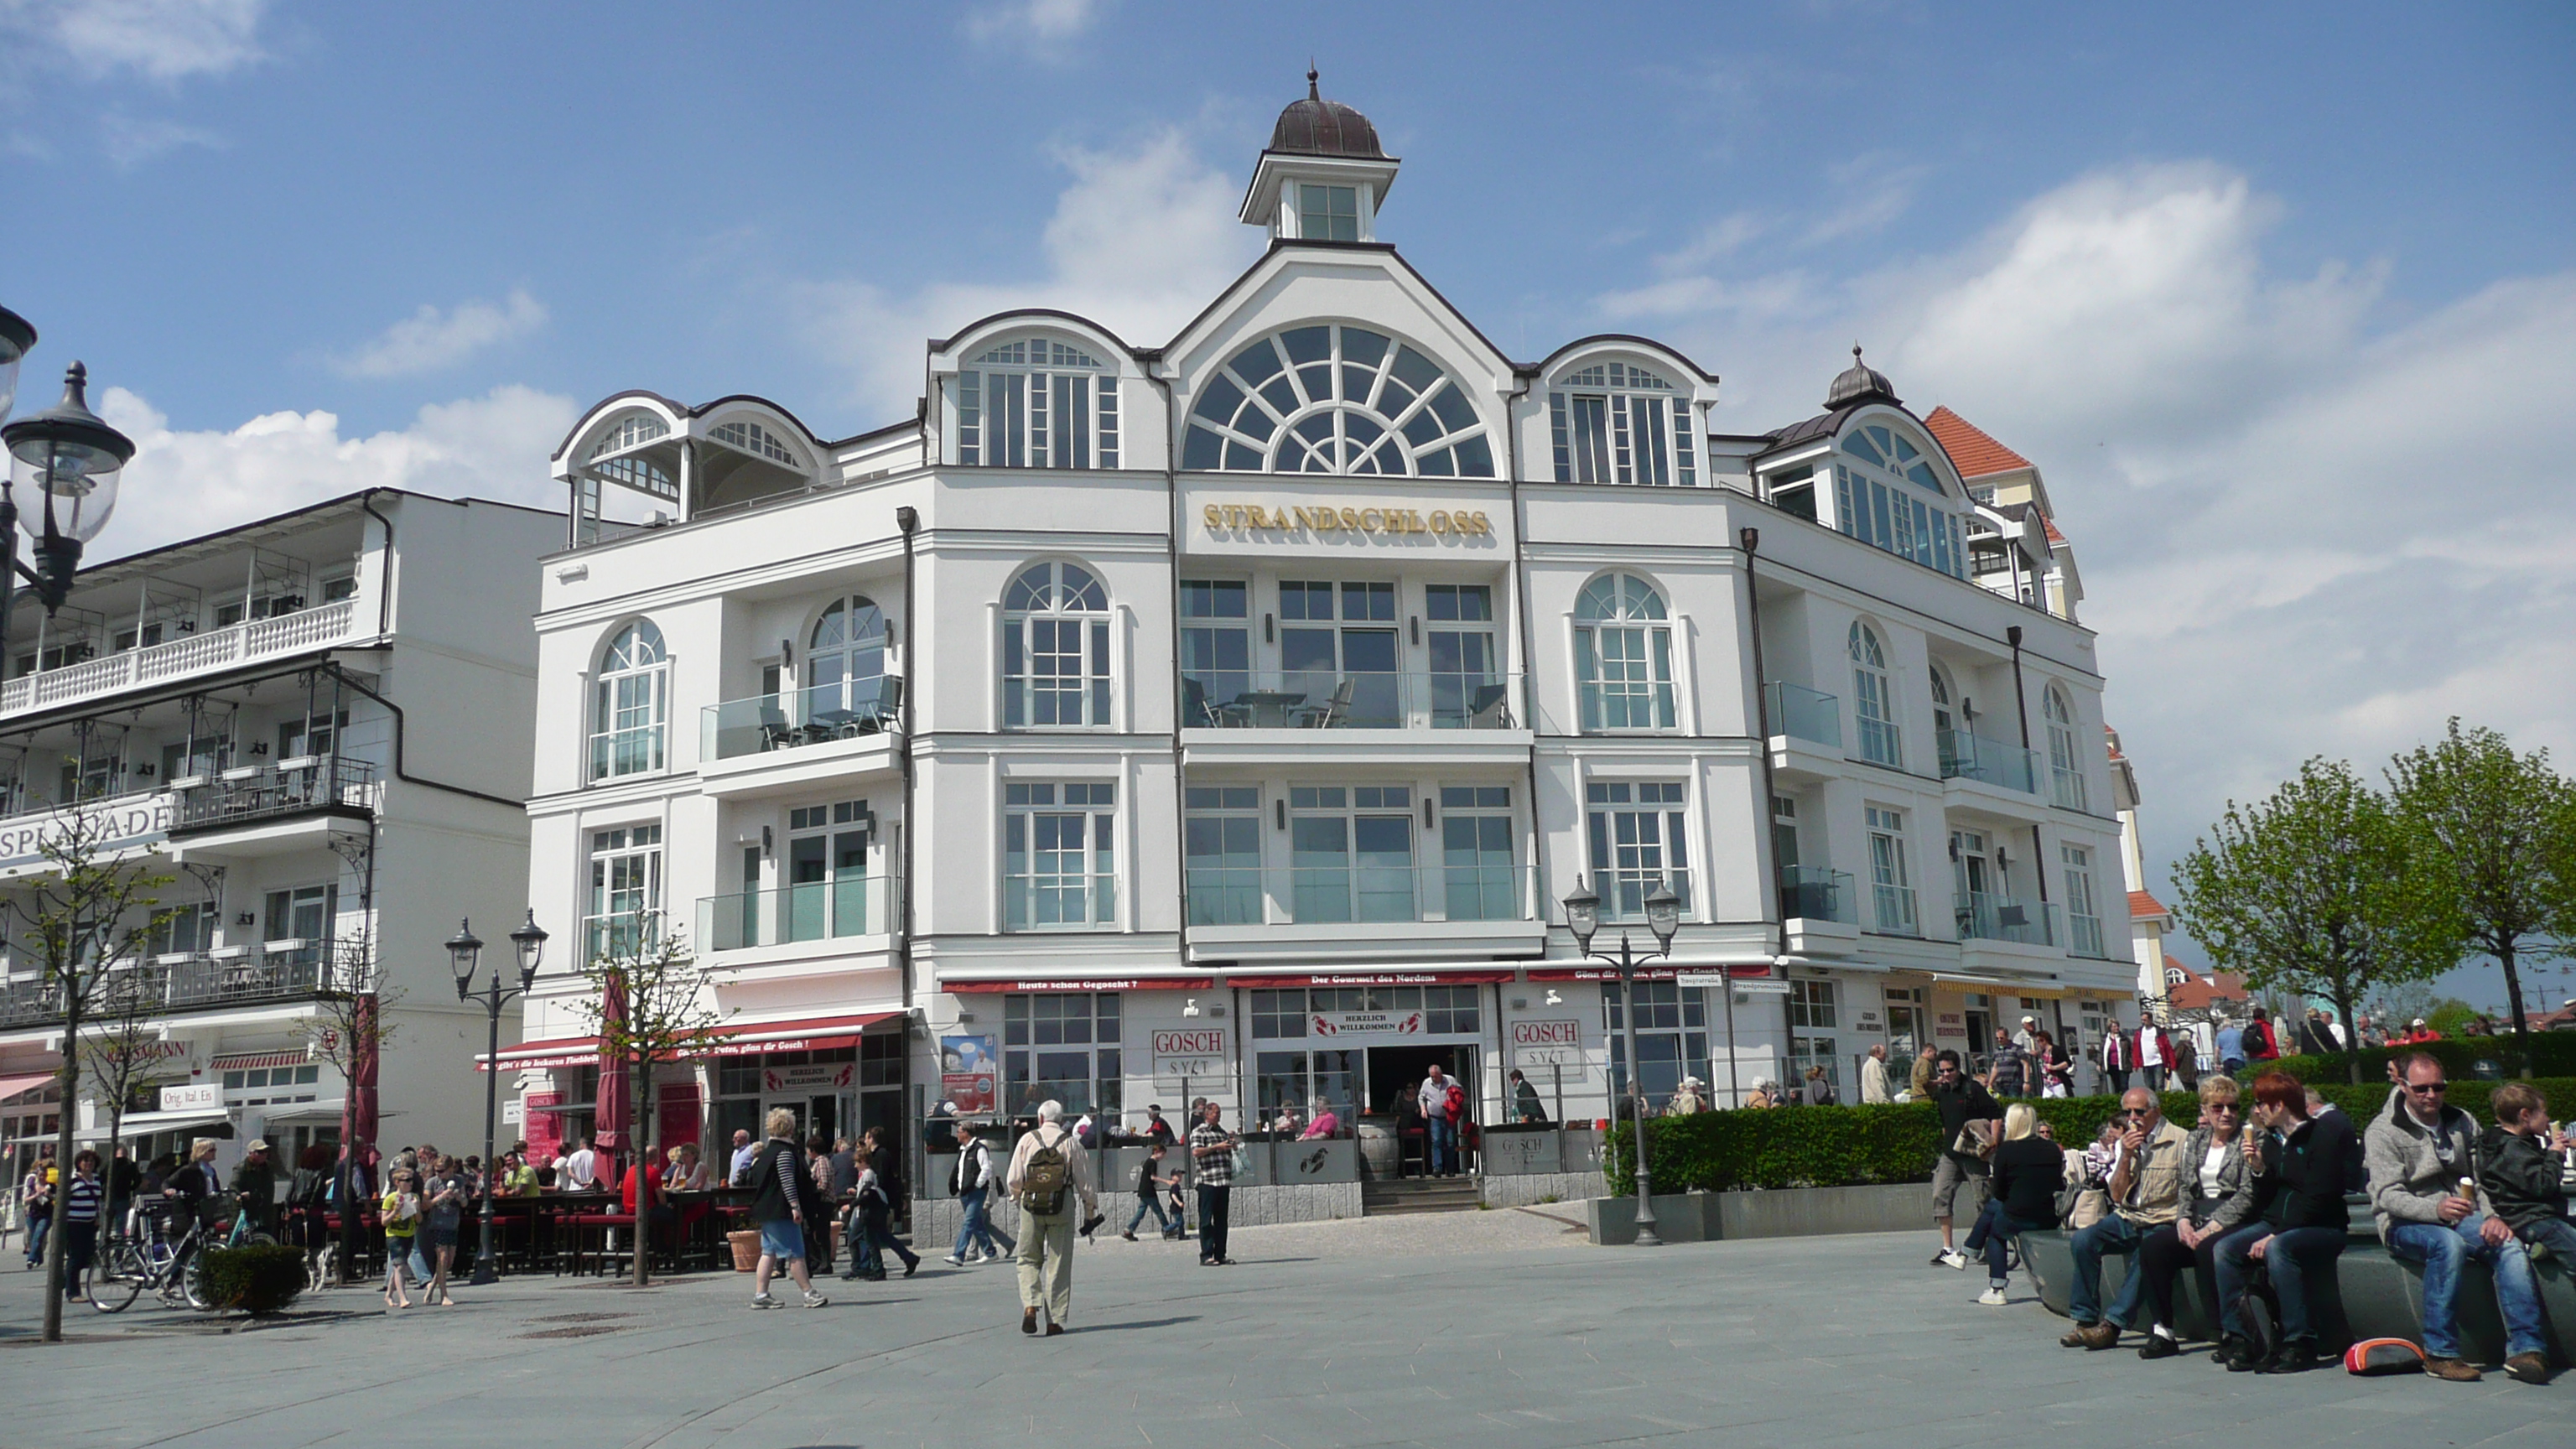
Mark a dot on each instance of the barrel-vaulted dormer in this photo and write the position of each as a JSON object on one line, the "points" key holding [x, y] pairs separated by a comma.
{"points": [[1324, 175]]}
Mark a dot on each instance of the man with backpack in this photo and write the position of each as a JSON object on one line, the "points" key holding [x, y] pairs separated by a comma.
{"points": [[1049, 1170]]}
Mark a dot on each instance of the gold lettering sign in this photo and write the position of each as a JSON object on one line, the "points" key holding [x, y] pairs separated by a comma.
{"points": [[1238, 517]]}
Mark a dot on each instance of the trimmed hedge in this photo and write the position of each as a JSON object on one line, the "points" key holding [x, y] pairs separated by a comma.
{"points": [[256, 1280], [1855, 1146], [2553, 1054]]}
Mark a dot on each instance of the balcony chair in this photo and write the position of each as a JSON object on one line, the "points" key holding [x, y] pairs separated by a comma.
{"points": [[885, 711], [1488, 708], [1331, 712], [1195, 710], [775, 732]]}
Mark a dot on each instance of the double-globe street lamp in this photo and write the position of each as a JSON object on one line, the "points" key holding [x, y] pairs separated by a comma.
{"points": [[1664, 918], [72, 458], [465, 953]]}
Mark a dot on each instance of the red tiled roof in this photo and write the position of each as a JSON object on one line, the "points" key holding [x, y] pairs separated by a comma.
{"points": [[2113, 737], [2050, 524], [2199, 992], [2143, 904], [1971, 448]]}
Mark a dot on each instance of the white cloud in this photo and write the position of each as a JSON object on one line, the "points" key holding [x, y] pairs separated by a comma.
{"points": [[131, 142], [1139, 242], [430, 339], [164, 40], [1042, 27], [184, 483]]}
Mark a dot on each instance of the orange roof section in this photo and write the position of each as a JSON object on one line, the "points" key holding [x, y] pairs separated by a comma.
{"points": [[2143, 904], [1971, 448]]}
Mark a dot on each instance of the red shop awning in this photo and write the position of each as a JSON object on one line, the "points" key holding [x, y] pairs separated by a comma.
{"points": [[1083, 983], [12, 1086], [1415, 976], [1749, 971], [735, 1039]]}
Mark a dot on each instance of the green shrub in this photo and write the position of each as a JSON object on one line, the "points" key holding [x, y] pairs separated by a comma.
{"points": [[1854, 1146], [2553, 1054], [256, 1280]]}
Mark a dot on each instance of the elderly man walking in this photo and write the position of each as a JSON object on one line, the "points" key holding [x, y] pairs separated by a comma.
{"points": [[2424, 1191], [1873, 1074], [1049, 1170]]}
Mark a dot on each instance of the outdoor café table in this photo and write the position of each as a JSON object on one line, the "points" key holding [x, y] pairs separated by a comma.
{"points": [[705, 1217], [1269, 707]]}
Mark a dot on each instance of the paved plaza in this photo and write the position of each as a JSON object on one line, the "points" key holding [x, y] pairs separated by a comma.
{"points": [[1497, 1330]]}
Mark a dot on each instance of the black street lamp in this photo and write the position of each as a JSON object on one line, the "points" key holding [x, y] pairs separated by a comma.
{"points": [[73, 459], [465, 953], [1664, 918]]}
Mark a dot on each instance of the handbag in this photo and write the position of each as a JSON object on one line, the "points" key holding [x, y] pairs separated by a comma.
{"points": [[2373, 1357], [1242, 1160]]}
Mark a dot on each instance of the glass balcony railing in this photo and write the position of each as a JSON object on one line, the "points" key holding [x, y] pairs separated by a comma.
{"points": [[1308, 895], [1803, 714], [1880, 744], [1813, 893], [821, 910], [2084, 936], [1892, 906], [1327, 700], [2066, 788], [793, 718], [622, 934], [1985, 917], [1976, 757]]}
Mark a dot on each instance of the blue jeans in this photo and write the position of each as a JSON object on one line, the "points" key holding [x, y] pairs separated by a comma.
{"points": [[1995, 1231], [2442, 1250], [977, 1229], [2557, 1235], [2293, 1255], [1147, 1202], [2114, 1236], [37, 1228], [1443, 1151], [874, 1238]]}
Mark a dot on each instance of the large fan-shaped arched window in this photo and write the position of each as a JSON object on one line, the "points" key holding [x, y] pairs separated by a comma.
{"points": [[845, 663], [1623, 656], [1335, 399], [1874, 504], [1055, 648], [2065, 766], [1873, 702], [631, 704]]}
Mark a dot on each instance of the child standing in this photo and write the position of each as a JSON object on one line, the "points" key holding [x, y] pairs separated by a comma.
{"points": [[401, 1212], [2519, 1162]]}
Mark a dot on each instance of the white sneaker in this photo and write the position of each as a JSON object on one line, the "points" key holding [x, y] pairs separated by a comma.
{"points": [[815, 1300], [763, 1300], [953, 1261], [1953, 1258], [1992, 1298]]}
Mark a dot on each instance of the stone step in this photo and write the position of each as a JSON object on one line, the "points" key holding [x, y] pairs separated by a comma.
{"points": [[1435, 1195]]}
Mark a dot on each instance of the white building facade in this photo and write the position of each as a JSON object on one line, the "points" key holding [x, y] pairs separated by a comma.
{"points": [[315, 726], [1226, 718]]}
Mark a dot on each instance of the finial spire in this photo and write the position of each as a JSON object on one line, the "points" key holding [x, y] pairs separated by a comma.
{"points": [[1312, 76], [1855, 352]]}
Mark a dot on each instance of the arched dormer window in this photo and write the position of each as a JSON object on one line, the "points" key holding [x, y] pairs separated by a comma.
{"points": [[2065, 766], [1623, 656], [631, 704], [1873, 702], [750, 437], [1615, 422], [1335, 399], [1055, 649], [1886, 494], [1037, 403], [845, 664]]}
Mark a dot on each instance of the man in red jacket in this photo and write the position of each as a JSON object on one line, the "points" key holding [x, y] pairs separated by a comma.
{"points": [[2262, 1044]]}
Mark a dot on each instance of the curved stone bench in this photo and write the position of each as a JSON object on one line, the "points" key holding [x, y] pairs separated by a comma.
{"points": [[2369, 1295]]}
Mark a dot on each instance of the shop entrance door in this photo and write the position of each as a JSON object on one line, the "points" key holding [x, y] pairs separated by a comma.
{"points": [[1397, 1071], [820, 1112]]}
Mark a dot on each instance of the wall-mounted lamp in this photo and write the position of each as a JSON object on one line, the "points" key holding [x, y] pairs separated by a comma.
{"points": [[1190, 1008], [768, 842], [245, 919], [1426, 812], [965, 1018], [1279, 808], [2002, 861], [787, 653], [1417, 628]]}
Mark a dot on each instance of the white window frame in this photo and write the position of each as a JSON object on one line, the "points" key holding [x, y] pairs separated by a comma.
{"points": [[1891, 878], [2065, 764], [1035, 815], [624, 901], [1014, 401], [1619, 816], [630, 716], [1625, 614], [1044, 602], [1616, 422], [2083, 907], [1874, 698]]}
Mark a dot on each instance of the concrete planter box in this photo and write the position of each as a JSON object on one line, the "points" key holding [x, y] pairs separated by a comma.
{"points": [[1524, 1151], [1787, 1213]]}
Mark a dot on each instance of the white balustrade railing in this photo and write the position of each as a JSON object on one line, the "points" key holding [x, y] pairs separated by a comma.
{"points": [[178, 658]]}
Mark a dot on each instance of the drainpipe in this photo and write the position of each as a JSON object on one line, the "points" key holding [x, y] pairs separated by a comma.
{"points": [[1529, 694], [385, 584], [2021, 703], [1751, 539], [1172, 553], [908, 520], [400, 731]]}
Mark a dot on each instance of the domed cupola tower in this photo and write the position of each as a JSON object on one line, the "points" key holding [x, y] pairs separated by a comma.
{"points": [[1323, 176]]}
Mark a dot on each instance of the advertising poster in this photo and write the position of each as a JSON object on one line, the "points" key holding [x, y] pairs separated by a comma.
{"points": [[545, 1129], [968, 1074]]}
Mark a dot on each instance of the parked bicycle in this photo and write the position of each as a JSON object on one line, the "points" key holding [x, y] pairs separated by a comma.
{"points": [[172, 1266]]}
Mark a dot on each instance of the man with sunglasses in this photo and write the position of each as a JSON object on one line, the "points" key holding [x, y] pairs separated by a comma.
{"points": [[1970, 1115], [2424, 1193], [2218, 1197], [2146, 1194]]}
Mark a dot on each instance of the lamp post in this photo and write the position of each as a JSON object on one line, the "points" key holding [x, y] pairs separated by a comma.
{"points": [[1663, 917], [465, 953], [72, 458]]}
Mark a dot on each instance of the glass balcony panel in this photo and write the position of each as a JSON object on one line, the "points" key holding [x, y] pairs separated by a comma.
{"points": [[1813, 893], [806, 911], [1349, 700], [1326, 895], [1803, 714], [1986, 917], [1977, 757], [870, 704]]}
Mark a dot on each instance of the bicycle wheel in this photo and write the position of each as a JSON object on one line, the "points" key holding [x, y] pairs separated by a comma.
{"points": [[256, 1240], [117, 1279], [192, 1283]]}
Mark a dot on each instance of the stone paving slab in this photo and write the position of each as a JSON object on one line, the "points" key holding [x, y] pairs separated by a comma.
{"points": [[1497, 1330]]}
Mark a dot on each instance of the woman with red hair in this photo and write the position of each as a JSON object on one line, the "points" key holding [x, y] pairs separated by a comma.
{"points": [[2301, 1167]]}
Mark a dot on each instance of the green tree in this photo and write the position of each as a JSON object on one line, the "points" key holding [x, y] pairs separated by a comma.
{"points": [[2320, 890], [2501, 830], [648, 1006]]}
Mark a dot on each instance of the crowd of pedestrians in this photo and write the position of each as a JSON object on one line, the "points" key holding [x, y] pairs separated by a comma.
{"points": [[2254, 1203]]}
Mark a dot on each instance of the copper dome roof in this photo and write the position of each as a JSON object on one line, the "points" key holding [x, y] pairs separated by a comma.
{"points": [[1318, 127], [1859, 383]]}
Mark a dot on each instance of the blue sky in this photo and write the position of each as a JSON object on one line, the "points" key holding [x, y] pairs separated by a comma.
{"points": [[2276, 296]]}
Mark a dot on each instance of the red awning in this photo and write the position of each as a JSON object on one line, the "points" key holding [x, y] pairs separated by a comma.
{"points": [[1419, 976], [735, 1039], [250, 1061], [1750, 971], [12, 1086], [1118, 983]]}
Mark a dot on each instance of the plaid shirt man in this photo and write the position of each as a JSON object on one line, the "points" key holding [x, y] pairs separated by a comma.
{"points": [[1211, 1169]]}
